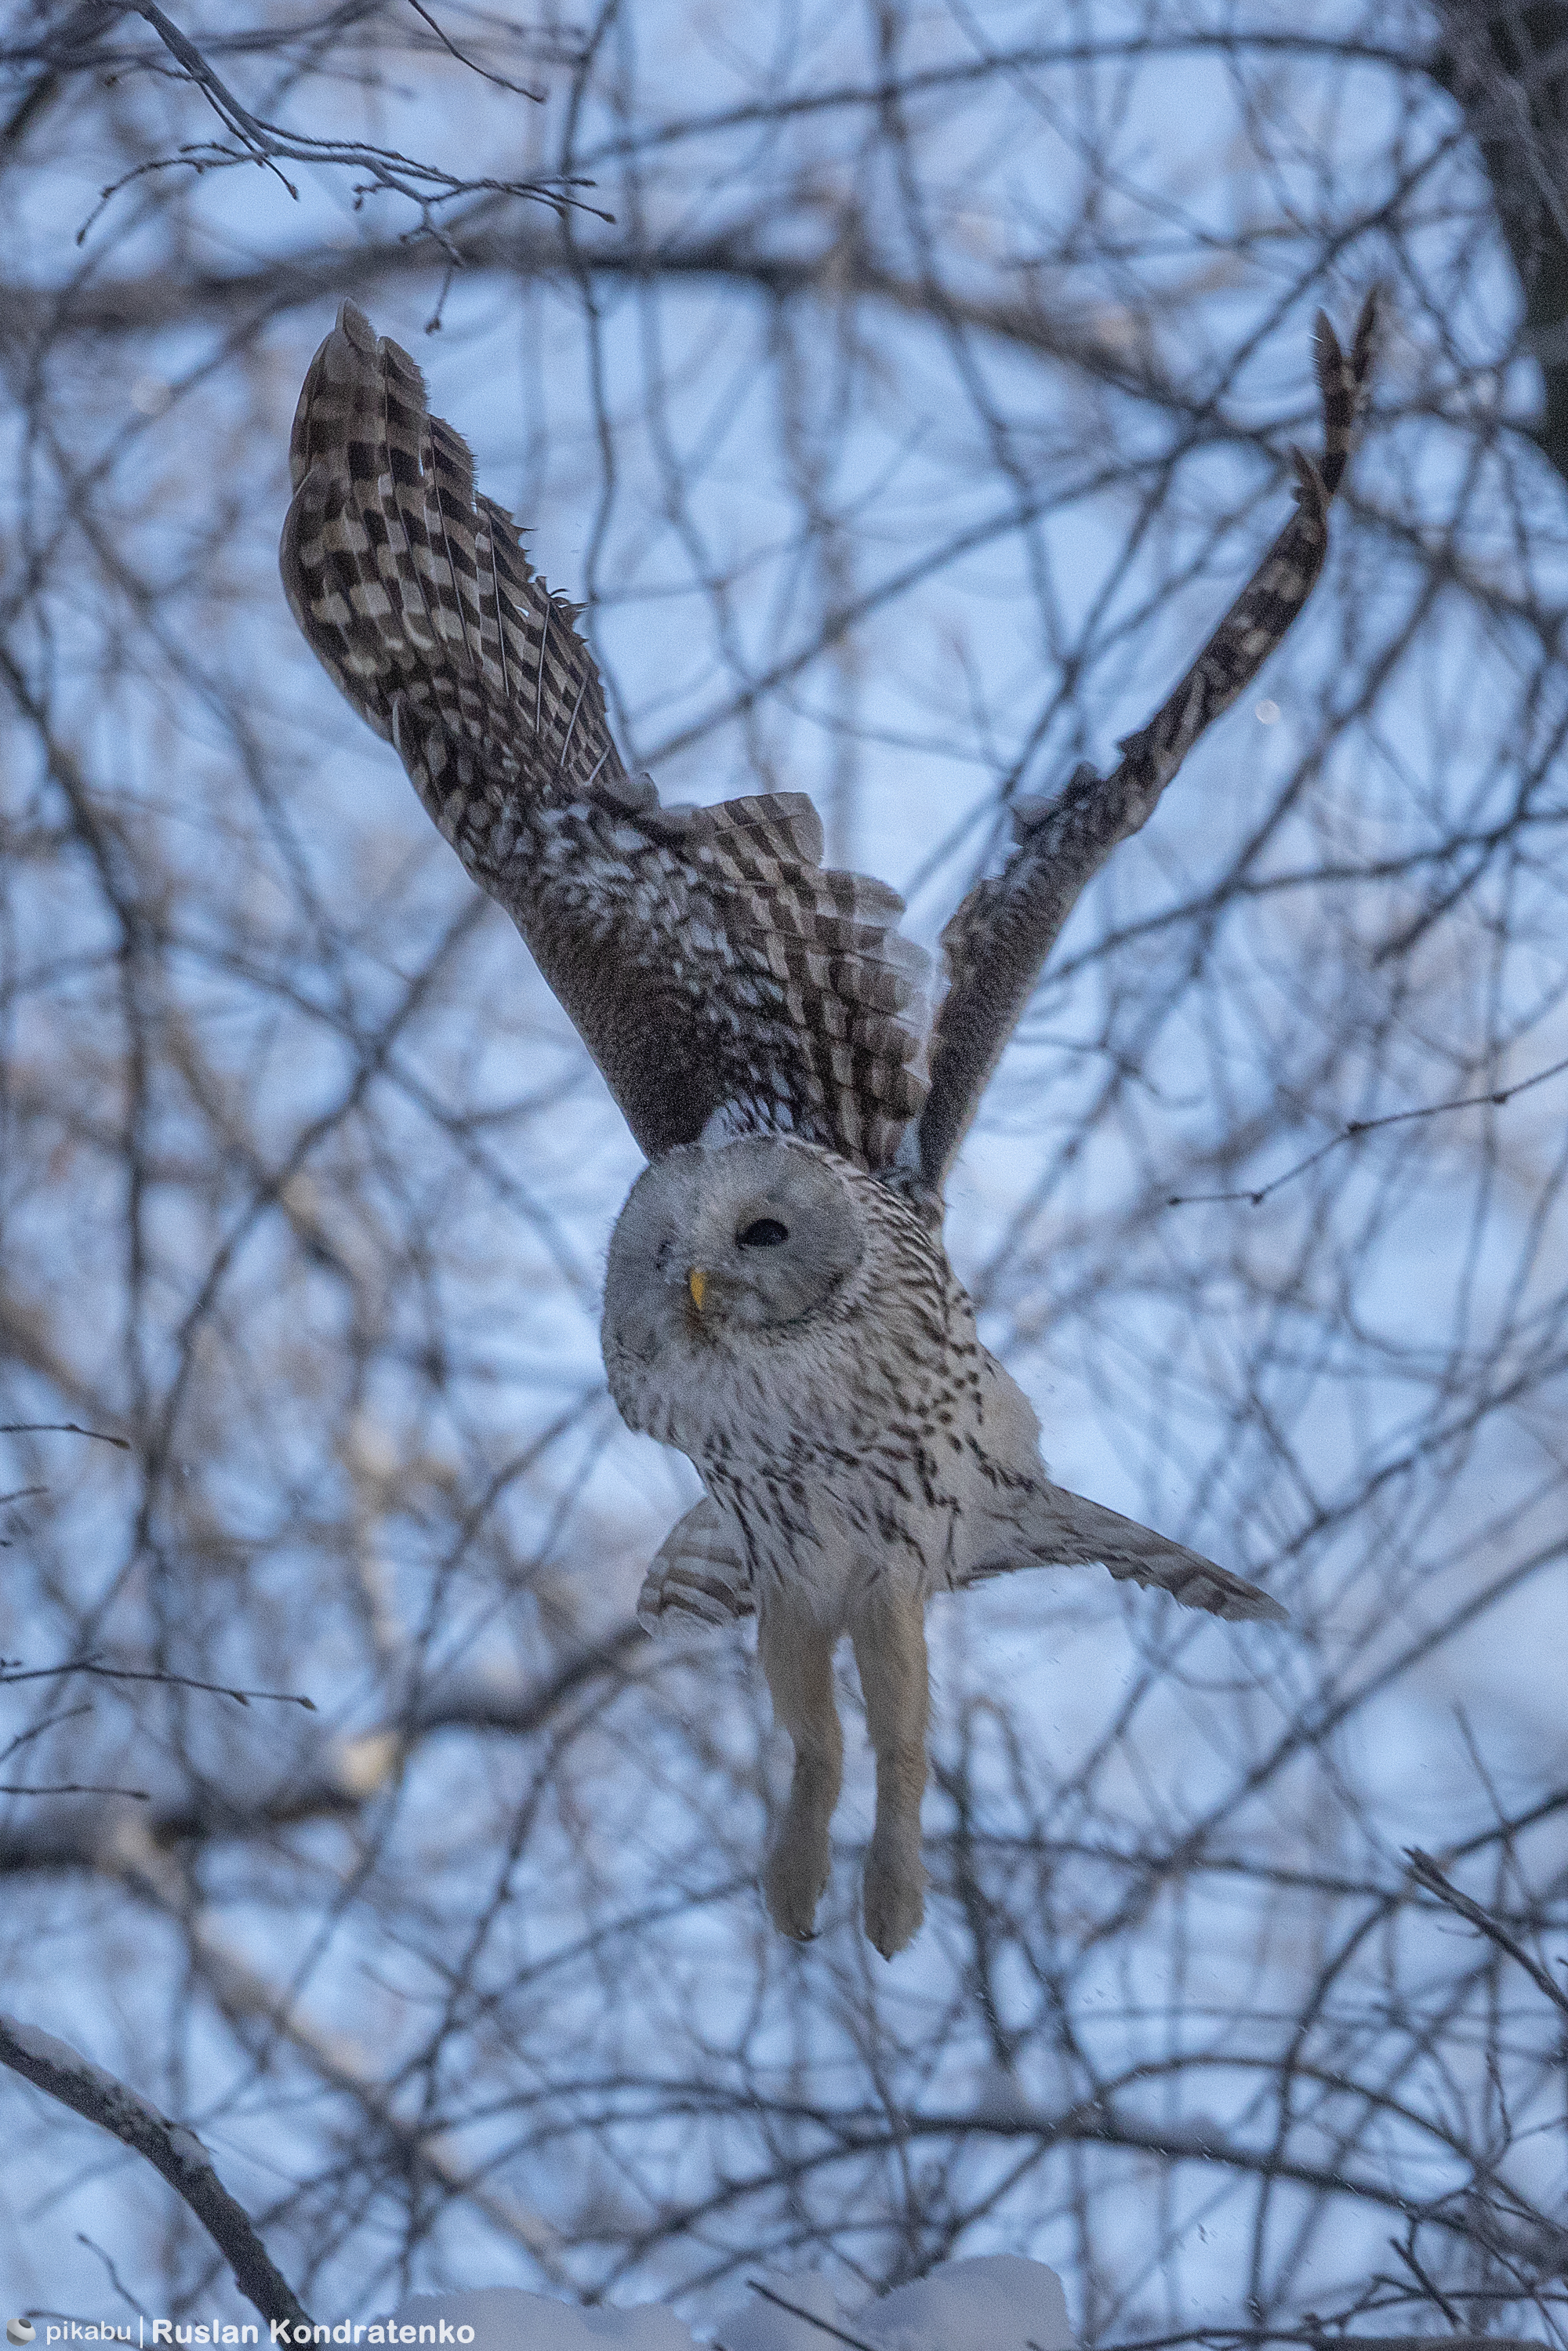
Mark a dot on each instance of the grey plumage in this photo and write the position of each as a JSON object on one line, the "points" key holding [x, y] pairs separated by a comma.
{"points": [[712, 965], [779, 1304], [922, 1472]]}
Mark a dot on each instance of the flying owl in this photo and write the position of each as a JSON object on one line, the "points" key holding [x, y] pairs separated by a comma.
{"points": [[778, 1305]]}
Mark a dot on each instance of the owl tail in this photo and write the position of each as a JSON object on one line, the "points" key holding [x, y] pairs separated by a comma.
{"points": [[1064, 1530], [699, 1576]]}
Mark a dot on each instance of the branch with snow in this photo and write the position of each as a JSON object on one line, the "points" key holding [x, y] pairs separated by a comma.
{"points": [[62, 2073]]}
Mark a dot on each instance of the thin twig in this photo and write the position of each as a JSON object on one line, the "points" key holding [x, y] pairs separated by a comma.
{"points": [[856, 2342], [517, 88], [73, 1788], [1426, 1873], [61, 1428], [146, 1673], [1360, 1126]]}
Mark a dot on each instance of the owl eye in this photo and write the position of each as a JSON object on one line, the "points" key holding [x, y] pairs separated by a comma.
{"points": [[766, 1232]]}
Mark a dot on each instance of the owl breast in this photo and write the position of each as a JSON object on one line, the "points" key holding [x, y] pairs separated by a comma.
{"points": [[879, 1447]]}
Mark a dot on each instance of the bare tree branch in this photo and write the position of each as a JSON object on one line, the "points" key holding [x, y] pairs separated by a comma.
{"points": [[172, 2148], [930, 394], [1426, 1873]]}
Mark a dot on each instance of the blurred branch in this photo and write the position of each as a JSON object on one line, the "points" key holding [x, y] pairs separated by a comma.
{"points": [[844, 269], [351, 1770], [261, 2014], [823, 2325], [69, 48], [1329, 2336], [1506, 63]]}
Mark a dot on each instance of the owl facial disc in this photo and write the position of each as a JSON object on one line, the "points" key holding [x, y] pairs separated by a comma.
{"points": [[758, 1235]]}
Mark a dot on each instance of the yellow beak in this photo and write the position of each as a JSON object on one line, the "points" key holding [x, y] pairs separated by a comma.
{"points": [[696, 1282]]}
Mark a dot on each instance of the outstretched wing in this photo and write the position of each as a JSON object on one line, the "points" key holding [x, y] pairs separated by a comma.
{"points": [[699, 1575], [712, 966], [996, 942], [1066, 1530]]}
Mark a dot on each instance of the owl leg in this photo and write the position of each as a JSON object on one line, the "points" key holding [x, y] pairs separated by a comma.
{"points": [[798, 1658], [889, 1636]]}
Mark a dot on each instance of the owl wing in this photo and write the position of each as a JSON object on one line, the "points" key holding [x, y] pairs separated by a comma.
{"points": [[698, 1575], [713, 969], [995, 945], [1066, 1530]]}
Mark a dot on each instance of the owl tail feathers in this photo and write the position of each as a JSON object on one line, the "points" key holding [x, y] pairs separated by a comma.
{"points": [[699, 1576], [1068, 1530]]}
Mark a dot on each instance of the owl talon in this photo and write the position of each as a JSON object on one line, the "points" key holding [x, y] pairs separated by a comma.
{"points": [[894, 1902], [795, 1880]]}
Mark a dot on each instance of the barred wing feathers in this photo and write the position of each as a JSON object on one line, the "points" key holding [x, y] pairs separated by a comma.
{"points": [[712, 965], [700, 1575], [995, 945], [1066, 1530]]}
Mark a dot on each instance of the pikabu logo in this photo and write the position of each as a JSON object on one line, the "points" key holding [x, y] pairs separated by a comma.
{"points": [[76, 2330]]}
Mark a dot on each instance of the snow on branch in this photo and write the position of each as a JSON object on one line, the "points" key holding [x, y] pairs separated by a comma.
{"points": [[62, 2073]]}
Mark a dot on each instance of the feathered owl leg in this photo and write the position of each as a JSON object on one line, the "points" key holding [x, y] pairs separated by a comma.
{"points": [[798, 1658], [889, 1637]]}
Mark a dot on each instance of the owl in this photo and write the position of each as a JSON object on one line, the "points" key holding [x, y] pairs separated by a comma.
{"points": [[778, 1304]]}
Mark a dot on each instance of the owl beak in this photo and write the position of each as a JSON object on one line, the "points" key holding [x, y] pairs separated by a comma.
{"points": [[696, 1282]]}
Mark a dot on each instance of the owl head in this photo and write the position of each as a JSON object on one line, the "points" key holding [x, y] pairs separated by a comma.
{"points": [[759, 1234]]}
